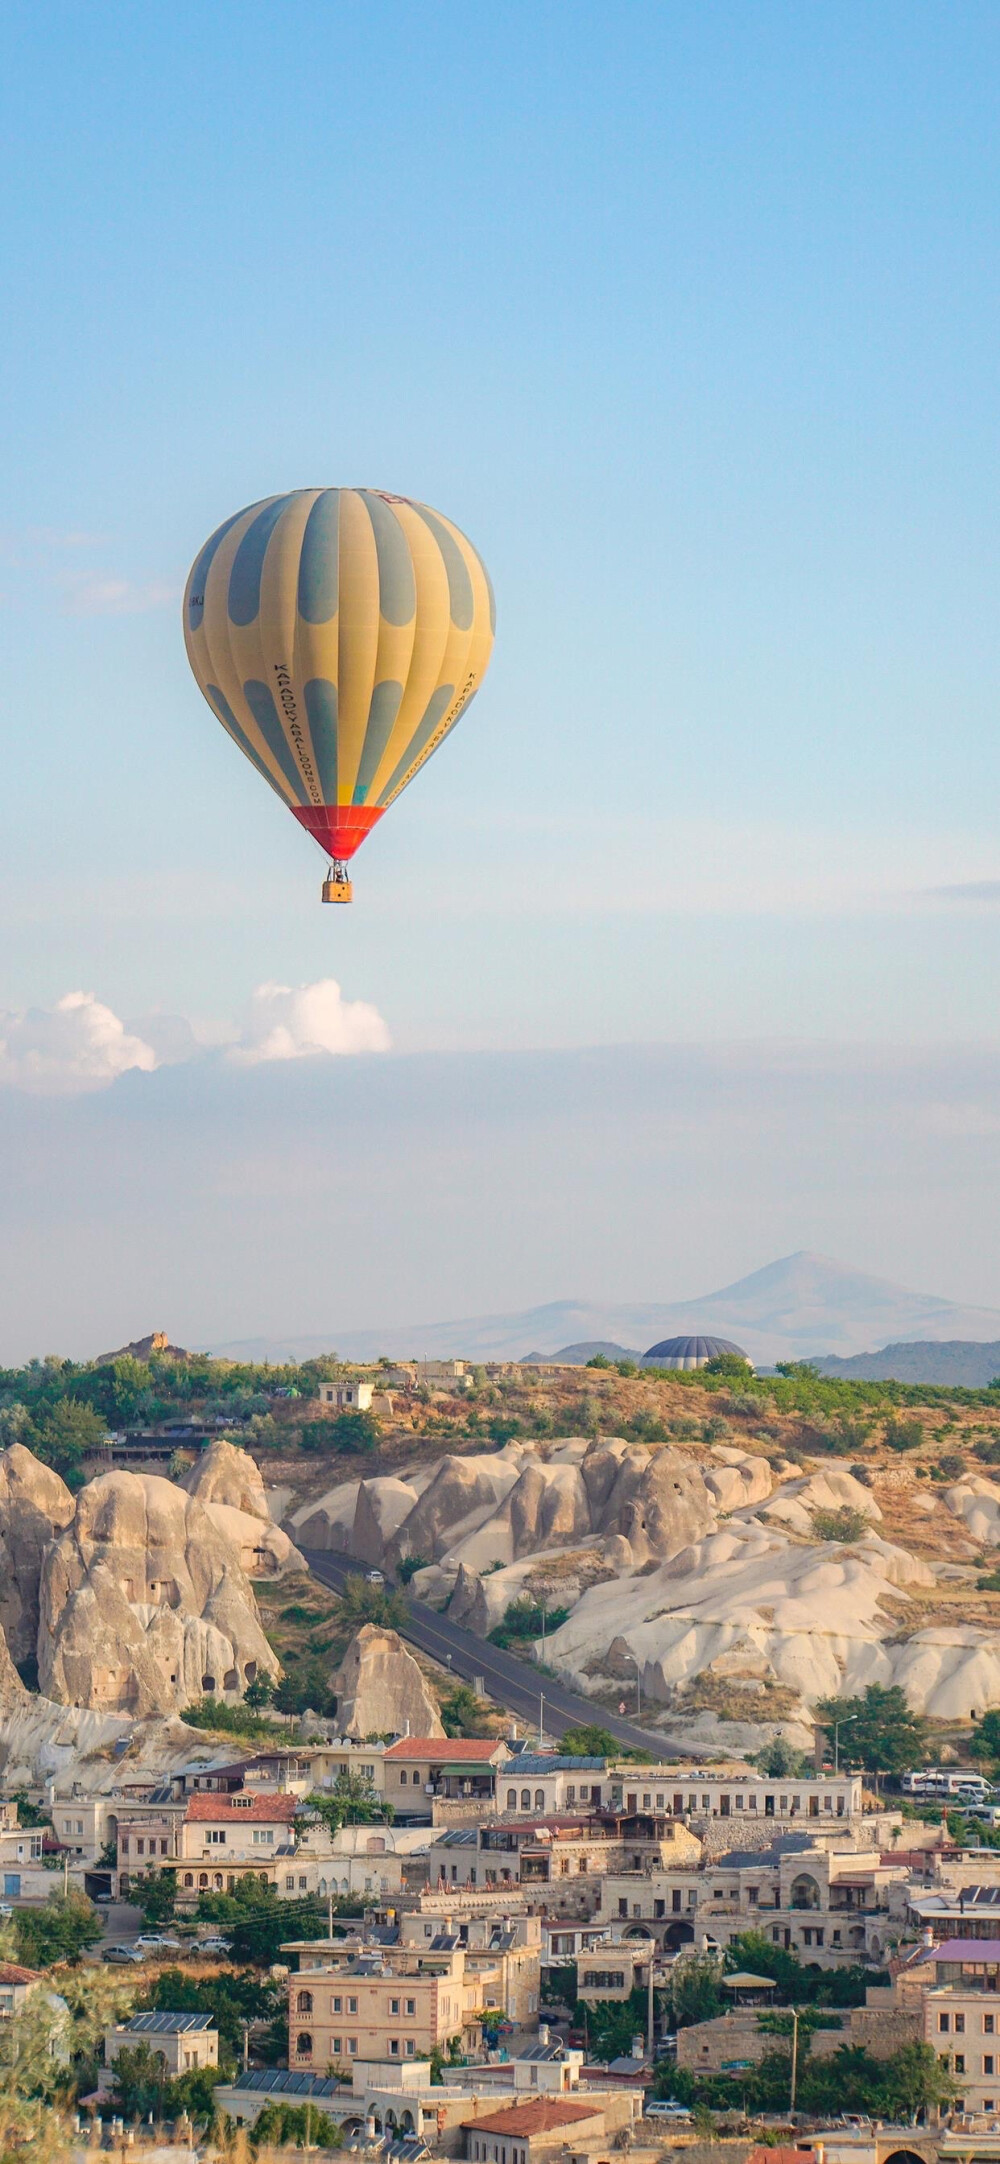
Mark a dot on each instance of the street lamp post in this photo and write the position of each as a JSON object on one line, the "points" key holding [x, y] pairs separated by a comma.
{"points": [[638, 1686], [837, 1726]]}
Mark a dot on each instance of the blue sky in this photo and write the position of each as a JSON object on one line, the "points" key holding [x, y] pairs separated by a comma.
{"points": [[689, 316]]}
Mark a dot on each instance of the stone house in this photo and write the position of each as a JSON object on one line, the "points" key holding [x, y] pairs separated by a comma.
{"points": [[420, 1770], [223, 1837], [547, 2125], [183, 2041], [350, 2001]]}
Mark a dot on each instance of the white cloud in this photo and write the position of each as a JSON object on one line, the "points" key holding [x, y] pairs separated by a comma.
{"points": [[76, 1045], [101, 595], [296, 1021]]}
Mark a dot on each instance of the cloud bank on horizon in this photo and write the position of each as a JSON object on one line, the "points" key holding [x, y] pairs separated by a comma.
{"points": [[81, 1045]]}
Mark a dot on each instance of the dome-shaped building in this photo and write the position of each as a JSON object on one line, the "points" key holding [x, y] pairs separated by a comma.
{"points": [[689, 1352]]}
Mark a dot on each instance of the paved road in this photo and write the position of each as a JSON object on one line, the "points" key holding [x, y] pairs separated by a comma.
{"points": [[514, 1684]]}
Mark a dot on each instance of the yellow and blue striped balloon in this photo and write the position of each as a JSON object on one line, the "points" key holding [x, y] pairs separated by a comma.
{"points": [[338, 634]]}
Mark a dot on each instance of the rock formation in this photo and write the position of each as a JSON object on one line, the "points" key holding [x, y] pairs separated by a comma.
{"points": [[144, 1606], [227, 1481], [226, 1474], [35, 1505], [380, 1688]]}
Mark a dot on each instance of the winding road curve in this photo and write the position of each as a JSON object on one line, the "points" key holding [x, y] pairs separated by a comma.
{"points": [[514, 1684]]}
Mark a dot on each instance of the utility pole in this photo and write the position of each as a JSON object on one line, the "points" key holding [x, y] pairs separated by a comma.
{"points": [[837, 1726], [649, 2001], [329, 1916], [638, 1686], [795, 2056], [541, 1720]]}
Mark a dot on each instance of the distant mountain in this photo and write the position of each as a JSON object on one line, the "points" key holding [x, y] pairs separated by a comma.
{"points": [[577, 1356], [803, 1306], [960, 1362]]}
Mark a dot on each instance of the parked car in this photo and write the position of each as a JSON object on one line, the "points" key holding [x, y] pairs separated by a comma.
{"points": [[124, 1955], [660, 2110], [158, 1942], [210, 1946], [374, 1577]]}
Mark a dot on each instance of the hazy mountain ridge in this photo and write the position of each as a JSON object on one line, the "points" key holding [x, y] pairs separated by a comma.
{"points": [[803, 1306], [957, 1363]]}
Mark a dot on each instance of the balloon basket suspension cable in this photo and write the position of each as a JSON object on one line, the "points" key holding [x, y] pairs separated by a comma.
{"points": [[337, 886]]}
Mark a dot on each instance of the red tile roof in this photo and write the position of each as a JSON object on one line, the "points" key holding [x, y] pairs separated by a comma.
{"points": [[274, 1809], [443, 1751], [539, 2117], [12, 1973]]}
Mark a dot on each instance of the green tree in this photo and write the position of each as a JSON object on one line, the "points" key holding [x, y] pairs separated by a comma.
{"points": [[259, 1693], [884, 1735], [64, 1435], [352, 1801], [463, 1714], [778, 1762], [363, 1603], [409, 1567], [844, 1525], [357, 1432], [732, 1366], [60, 1930], [695, 1989], [283, 2126], [229, 2000], [985, 1739], [141, 2082], [156, 1896], [525, 1618]]}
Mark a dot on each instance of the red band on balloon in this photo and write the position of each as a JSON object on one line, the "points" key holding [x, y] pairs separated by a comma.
{"points": [[339, 829]]}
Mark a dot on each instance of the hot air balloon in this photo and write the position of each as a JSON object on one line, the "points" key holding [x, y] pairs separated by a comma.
{"points": [[338, 634]]}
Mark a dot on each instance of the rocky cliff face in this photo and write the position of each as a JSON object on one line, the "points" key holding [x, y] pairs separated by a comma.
{"points": [[143, 1603], [35, 1505], [225, 1474], [380, 1688]]}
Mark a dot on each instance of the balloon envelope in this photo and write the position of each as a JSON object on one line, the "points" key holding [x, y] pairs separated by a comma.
{"points": [[338, 634]]}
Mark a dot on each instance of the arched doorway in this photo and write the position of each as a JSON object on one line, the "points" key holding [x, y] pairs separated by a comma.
{"points": [[804, 1891], [677, 1935]]}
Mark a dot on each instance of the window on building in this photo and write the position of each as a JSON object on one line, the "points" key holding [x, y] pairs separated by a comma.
{"points": [[512, 1799], [525, 1799], [352, 2046], [336, 2006], [988, 2064], [959, 2062], [988, 2021], [393, 2047], [959, 2024], [411, 2006], [336, 2045], [304, 2002], [304, 2045], [944, 2024], [290, 1883], [352, 2006], [140, 1846], [402, 1776], [393, 2006], [411, 2049]]}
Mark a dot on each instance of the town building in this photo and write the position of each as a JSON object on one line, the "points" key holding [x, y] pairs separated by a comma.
{"points": [[421, 1771], [353, 1396], [961, 2019], [16, 1986], [183, 2042], [352, 2001]]}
